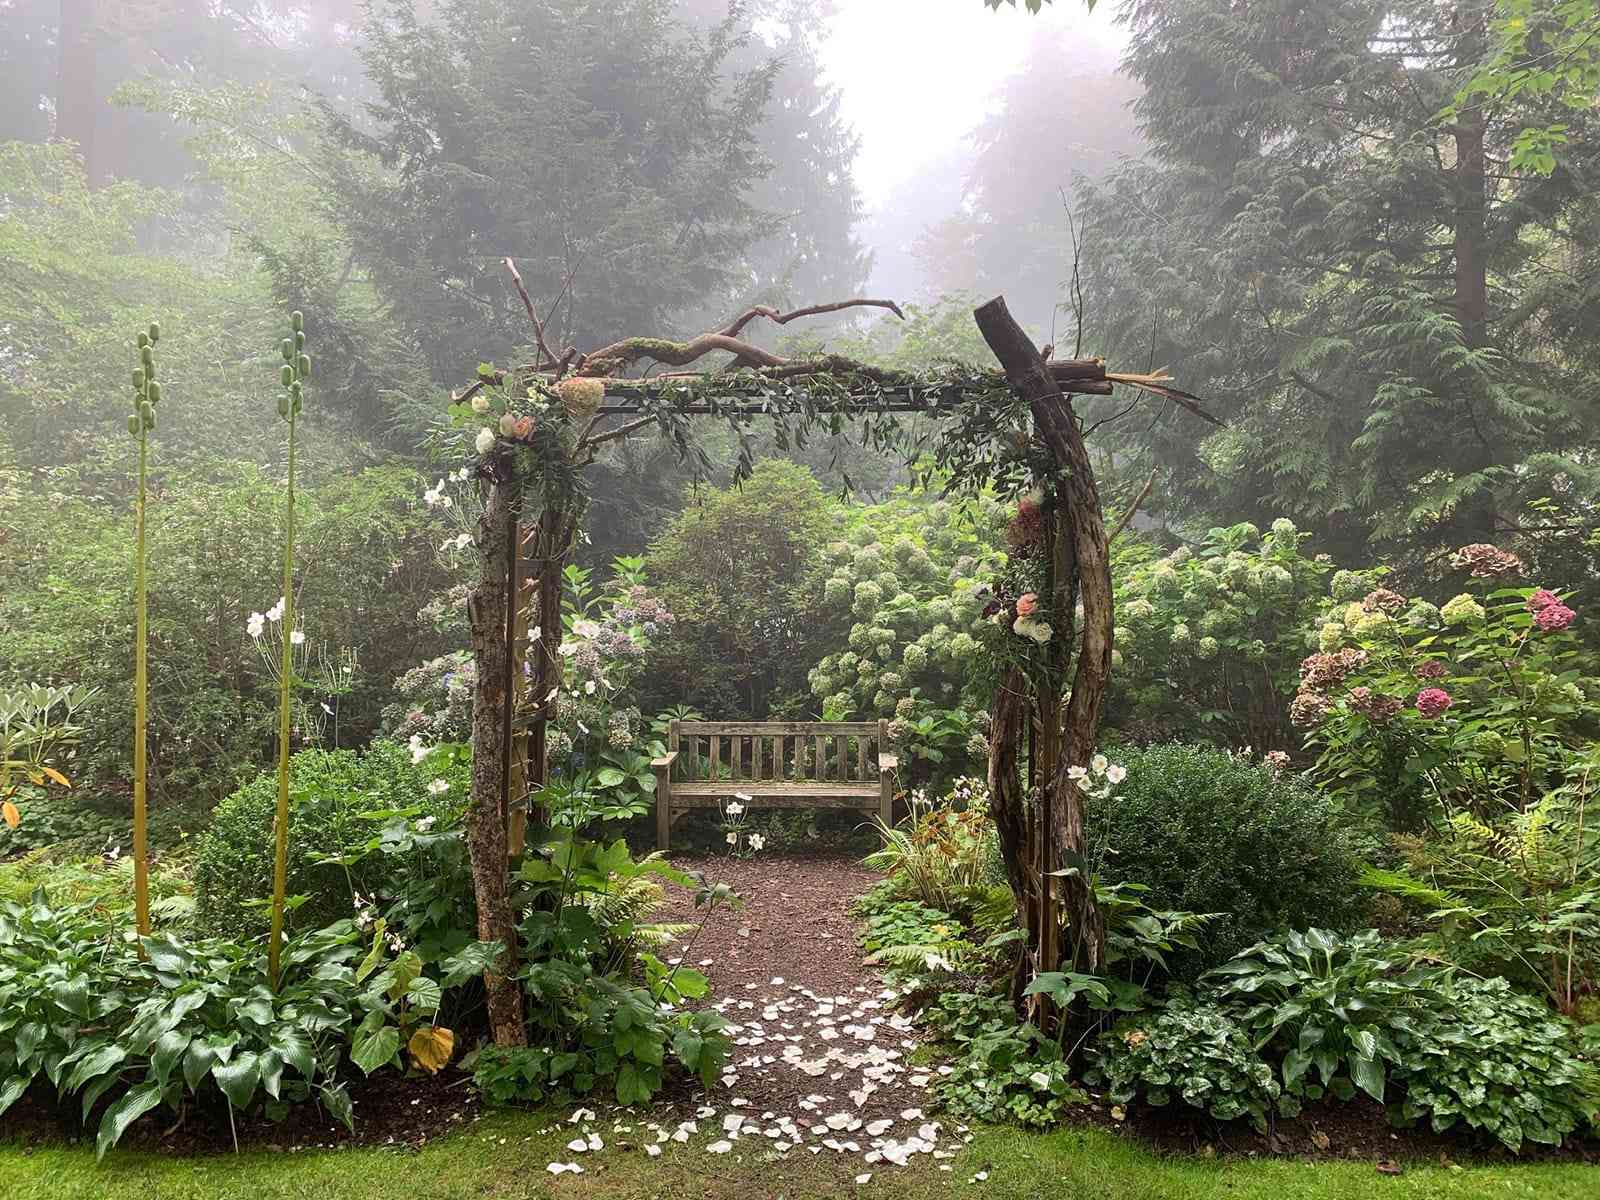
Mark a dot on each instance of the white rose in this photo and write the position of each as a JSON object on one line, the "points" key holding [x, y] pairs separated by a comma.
{"points": [[485, 440], [480, 404]]}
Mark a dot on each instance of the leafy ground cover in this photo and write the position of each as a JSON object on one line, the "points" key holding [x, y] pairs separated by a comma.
{"points": [[505, 1155]]}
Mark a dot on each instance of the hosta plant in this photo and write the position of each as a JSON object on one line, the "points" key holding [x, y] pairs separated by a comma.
{"points": [[1327, 1006]]}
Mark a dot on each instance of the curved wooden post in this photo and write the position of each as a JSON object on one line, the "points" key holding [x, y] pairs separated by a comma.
{"points": [[1088, 571]]}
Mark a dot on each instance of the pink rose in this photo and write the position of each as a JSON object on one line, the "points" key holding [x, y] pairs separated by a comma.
{"points": [[1433, 701], [1554, 617], [1027, 604]]}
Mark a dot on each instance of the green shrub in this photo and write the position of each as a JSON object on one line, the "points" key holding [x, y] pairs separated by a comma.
{"points": [[1207, 832], [330, 791]]}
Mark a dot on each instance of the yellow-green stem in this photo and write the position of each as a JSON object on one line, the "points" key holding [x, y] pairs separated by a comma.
{"points": [[280, 823], [141, 686]]}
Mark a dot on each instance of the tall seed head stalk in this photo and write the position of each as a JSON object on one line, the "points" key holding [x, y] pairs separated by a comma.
{"points": [[146, 396], [292, 376]]}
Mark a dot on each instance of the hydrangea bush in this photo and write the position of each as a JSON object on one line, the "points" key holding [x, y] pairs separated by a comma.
{"points": [[1210, 636], [907, 582], [1419, 710]]}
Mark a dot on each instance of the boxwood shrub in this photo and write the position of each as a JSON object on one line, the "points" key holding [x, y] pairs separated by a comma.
{"points": [[329, 791], [1210, 832]]}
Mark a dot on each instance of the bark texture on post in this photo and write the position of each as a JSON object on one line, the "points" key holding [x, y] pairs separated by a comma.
{"points": [[1011, 811], [487, 843], [548, 549], [1088, 569]]}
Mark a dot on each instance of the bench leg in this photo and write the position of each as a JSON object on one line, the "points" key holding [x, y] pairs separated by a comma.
{"points": [[663, 811]]}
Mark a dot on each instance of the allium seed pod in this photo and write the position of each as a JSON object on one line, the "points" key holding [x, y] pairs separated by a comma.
{"points": [[303, 365], [286, 375], [155, 331], [283, 407], [146, 357], [286, 348], [144, 340], [147, 413], [299, 339], [138, 378], [297, 320], [133, 424], [153, 392]]}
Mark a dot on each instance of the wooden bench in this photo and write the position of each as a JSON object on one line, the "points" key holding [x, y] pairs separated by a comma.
{"points": [[776, 764]]}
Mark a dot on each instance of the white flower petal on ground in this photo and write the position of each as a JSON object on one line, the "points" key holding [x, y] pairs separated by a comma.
{"points": [[557, 1168], [719, 1147], [1039, 1080]]}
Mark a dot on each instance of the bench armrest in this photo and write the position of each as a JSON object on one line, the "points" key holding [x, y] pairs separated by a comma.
{"points": [[888, 762], [665, 761]]}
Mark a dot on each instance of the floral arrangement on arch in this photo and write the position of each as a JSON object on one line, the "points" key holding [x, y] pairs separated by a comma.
{"points": [[1472, 705]]}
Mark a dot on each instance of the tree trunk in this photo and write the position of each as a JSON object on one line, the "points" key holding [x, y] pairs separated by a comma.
{"points": [[486, 825], [1089, 567], [77, 98]]}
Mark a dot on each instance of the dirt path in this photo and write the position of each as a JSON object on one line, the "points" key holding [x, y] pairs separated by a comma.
{"points": [[821, 1061]]}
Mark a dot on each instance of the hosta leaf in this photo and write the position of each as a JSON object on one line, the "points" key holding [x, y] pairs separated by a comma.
{"points": [[166, 956], [96, 1062], [1368, 1075], [238, 1079], [123, 1113], [294, 1048], [11, 1090], [168, 1050]]}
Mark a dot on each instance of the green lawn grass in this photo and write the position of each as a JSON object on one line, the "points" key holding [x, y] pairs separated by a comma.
{"points": [[505, 1156]]}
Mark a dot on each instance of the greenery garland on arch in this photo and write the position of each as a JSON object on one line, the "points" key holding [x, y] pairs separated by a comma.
{"points": [[534, 428]]}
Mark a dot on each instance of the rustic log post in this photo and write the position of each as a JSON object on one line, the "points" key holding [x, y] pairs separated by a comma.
{"points": [[488, 609], [1088, 572], [1010, 809], [551, 542]]}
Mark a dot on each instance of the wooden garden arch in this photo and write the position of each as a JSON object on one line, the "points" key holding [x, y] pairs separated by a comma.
{"points": [[516, 602]]}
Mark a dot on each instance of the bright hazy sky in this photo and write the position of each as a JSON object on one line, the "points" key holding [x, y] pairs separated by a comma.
{"points": [[916, 75]]}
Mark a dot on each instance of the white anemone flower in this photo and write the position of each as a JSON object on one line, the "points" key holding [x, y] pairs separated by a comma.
{"points": [[439, 786], [1116, 773], [1077, 774], [297, 637], [731, 838], [255, 624], [735, 809], [1099, 763], [757, 841]]}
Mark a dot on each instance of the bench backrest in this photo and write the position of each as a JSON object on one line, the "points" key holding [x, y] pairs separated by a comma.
{"points": [[778, 751]]}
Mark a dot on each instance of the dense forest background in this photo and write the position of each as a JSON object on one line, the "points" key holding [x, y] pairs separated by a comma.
{"points": [[1398, 328]]}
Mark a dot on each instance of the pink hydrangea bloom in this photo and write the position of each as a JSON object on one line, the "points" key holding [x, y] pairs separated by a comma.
{"points": [[1553, 617], [1541, 599], [1432, 669], [1433, 701]]}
